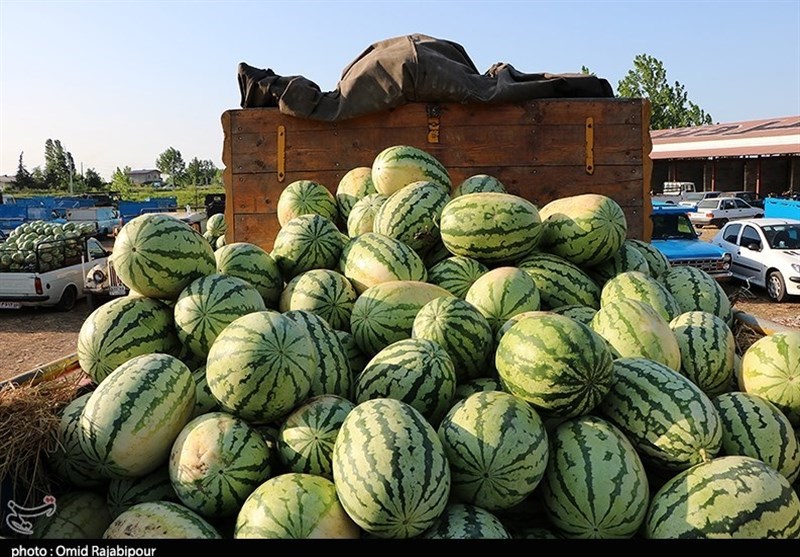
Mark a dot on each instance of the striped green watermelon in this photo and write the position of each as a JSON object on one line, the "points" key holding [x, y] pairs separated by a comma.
{"points": [[390, 470], [123, 328], [696, 290], [355, 185], [160, 520], [497, 448], [502, 293], [324, 292], [466, 522], [456, 274], [255, 265], [416, 371], [479, 385], [294, 506], [595, 485], [461, 329], [358, 360], [68, 461], [373, 258], [216, 462], [307, 436], [580, 313], [77, 515], [494, 228], [479, 183], [771, 369], [585, 229], [261, 366], [305, 197], [657, 262], [707, 348], [640, 286], [216, 225], [208, 305], [332, 374], [132, 418], [513, 320], [204, 400], [753, 426], [626, 259], [307, 242], [157, 255], [557, 364], [633, 329], [559, 282], [385, 313], [728, 497], [671, 422], [123, 493], [362, 216], [399, 165], [411, 214]]}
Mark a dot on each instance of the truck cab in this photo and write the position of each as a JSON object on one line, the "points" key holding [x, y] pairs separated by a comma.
{"points": [[104, 219]]}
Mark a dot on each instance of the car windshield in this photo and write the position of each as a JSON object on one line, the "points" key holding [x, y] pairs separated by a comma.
{"points": [[667, 227], [708, 204], [783, 236], [693, 196]]}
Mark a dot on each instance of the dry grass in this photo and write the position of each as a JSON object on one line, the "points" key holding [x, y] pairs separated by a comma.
{"points": [[29, 421]]}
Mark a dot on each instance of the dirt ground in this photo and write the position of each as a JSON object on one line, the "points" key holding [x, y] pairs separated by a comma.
{"points": [[34, 337]]}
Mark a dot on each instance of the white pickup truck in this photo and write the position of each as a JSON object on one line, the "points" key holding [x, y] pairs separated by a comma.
{"points": [[48, 273]]}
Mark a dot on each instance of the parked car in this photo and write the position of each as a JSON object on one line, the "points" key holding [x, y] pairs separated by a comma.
{"points": [[718, 211], [691, 199], [750, 197], [675, 237], [765, 252]]}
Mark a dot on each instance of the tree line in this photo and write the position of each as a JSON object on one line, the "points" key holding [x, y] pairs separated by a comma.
{"points": [[670, 108]]}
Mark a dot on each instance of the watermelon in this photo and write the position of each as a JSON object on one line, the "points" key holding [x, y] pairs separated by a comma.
{"points": [[373, 258], [585, 229], [657, 262], [208, 305], [626, 259], [416, 371], [513, 320], [204, 400], [158, 255], [305, 197], [497, 448], [559, 282], [639, 286], [391, 473], [307, 242], [160, 520], [502, 293], [121, 329], [76, 515], [696, 290], [411, 214], [358, 360], [671, 422], [255, 265], [434, 254], [494, 228], [456, 273], [399, 165], [707, 348], [123, 493], [132, 418], [216, 225], [324, 292], [582, 314], [216, 462], [595, 485], [478, 183], [466, 522], [294, 506], [362, 216], [479, 385], [557, 364], [770, 368], [261, 366], [753, 426], [728, 497], [355, 185], [461, 329], [68, 461], [307, 436]]}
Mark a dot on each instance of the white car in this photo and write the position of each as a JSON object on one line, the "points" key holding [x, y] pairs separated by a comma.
{"points": [[764, 252], [719, 210]]}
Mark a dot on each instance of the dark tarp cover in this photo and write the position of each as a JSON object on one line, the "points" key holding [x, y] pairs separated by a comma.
{"points": [[410, 68]]}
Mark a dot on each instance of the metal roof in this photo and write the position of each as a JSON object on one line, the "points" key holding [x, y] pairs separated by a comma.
{"points": [[772, 136]]}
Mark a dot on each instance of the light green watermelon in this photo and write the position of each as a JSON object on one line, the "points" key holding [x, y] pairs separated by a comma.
{"points": [[771, 367], [399, 165], [255, 265], [304, 197]]}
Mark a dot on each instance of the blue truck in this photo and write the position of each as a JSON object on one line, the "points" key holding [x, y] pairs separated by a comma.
{"points": [[776, 207]]}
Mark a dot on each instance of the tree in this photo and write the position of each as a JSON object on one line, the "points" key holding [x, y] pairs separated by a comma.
{"points": [[121, 181], [93, 181], [170, 162], [23, 179], [670, 105], [59, 165], [200, 173]]}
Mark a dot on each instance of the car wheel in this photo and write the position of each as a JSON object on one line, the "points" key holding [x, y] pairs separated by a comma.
{"points": [[776, 287], [68, 299]]}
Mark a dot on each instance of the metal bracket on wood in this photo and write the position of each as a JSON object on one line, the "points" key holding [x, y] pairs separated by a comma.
{"points": [[434, 111], [590, 145], [281, 164]]}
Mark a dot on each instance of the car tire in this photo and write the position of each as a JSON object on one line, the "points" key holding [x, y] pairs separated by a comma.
{"points": [[776, 287], [68, 299]]}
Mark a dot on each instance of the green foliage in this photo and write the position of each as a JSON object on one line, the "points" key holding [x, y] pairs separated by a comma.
{"points": [[170, 162], [670, 105], [200, 172], [23, 178], [93, 181], [121, 182]]}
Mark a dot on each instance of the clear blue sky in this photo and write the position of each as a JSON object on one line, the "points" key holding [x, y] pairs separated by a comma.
{"points": [[118, 82]]}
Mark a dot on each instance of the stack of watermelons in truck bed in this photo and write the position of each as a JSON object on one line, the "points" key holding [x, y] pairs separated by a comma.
{"points": [[41, 246]]}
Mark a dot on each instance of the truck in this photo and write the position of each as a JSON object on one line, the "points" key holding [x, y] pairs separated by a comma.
{"points": [[48, 271], [775, 207], [104, 220]]}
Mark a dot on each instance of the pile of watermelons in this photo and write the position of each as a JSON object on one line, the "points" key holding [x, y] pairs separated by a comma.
{"points": [[417, 358], [41, 246]]}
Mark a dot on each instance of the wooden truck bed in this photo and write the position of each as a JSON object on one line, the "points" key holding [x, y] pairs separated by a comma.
{"points": [[541, 150]]}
